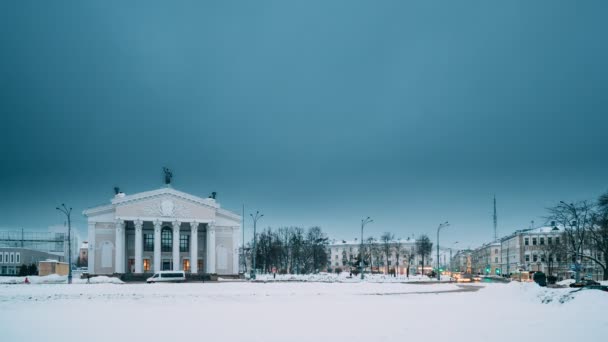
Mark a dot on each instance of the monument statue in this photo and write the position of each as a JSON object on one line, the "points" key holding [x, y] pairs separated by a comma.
{"points": [[168, 175]]}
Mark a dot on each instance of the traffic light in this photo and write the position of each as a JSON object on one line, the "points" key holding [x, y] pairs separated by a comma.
{"points": [[487, 270], [498, 271]]}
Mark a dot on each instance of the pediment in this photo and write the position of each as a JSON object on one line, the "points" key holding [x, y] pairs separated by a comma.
{"points": [[170, 204]]}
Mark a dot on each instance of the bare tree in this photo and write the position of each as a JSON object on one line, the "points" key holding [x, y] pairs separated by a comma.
{"points": [[578, 220], [424, 247], [598, 234], [400, 252], [553, 254], [386, 239]]}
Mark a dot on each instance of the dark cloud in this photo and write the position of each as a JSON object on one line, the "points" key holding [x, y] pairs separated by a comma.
{"points": [[316, 113]]}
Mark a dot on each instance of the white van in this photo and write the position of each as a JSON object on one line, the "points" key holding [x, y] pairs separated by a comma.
{"points": [[167, 276]]}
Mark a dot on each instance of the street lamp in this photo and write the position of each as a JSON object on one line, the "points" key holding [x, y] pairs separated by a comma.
{"points": [[363, 223], [255, 221], [68, 213], [443, 225]]}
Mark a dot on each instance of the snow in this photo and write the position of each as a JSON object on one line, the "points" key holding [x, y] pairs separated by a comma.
{"points": [[57, 279], [300, 311], [565, 282], [345, 277]]}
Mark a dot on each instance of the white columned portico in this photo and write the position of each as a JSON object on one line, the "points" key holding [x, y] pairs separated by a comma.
{"points": [[176, 265], [120, 247], [91, 254], [211, 247], [139, 245], [235, 249], [194, 247], [157, 225]]}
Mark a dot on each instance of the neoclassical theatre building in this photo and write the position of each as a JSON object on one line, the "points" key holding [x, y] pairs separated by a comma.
{"points": [[163, 229]]}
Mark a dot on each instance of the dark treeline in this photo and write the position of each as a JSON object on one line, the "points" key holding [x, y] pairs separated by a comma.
{"points": [[292, 250]]}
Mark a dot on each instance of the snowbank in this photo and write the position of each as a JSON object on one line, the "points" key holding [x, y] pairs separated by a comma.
{"points": [[345, 277], [57, 279], [565, 282]]}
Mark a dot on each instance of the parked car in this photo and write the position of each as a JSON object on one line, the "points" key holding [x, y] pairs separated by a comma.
{"points": [[167, 276], [584, 283], [540, 278]]}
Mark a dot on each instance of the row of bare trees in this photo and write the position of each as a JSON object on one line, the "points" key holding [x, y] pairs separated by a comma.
{"points": [[376, 253], [291, 250], [585, 235]]}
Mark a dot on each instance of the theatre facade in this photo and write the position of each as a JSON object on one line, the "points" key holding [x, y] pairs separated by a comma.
{"points": [[163, 229]]}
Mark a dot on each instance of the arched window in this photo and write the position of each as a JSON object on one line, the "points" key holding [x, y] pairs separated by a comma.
{"points": [[166, 240]]}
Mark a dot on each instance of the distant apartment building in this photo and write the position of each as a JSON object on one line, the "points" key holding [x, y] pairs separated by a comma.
{"points": [[343, 255], [461, 262], [486, 259], [539, 249], [83, 255]]}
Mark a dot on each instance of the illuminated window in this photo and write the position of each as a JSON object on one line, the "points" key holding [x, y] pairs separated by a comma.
{"points": [[146, 265], [186, 263]]}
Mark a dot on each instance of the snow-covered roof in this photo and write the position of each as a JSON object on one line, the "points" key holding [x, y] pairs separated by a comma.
{"points": [[357, 242]]}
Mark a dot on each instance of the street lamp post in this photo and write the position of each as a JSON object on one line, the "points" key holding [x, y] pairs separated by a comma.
{"points": [[363, 223], [255, 221], [443, 225], [68, 213]]}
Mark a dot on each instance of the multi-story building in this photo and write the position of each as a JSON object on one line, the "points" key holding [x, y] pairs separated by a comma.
{"points": [[486, 259], [344, 255], [12, 258], [541, 249], [53, 241], [535, 249], [461, 261]]}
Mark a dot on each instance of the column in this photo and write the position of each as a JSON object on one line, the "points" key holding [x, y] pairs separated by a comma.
{"points": [[176, 265], [157, 226], [91, 257], [211, 247], [235, 249], [119, 265], [139, 245], [194, 247]]}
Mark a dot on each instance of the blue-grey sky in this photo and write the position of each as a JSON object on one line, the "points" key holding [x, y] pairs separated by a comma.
{"points": [[314, 112]]}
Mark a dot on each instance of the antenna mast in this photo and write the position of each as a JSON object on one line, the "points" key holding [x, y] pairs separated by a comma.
{"points": [[495, 221]]}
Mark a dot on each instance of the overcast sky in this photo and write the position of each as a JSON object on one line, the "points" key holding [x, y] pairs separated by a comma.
{"points": [[315, 113]]}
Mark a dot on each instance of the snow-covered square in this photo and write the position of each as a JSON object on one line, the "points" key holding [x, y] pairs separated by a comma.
{"points": [[300, 311]]}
